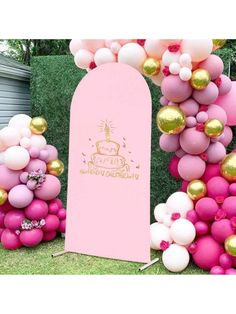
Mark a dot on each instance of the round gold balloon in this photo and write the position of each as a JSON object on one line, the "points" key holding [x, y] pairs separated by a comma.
{"points": [[200, 79], [151, 67], [218, 43], [38, 125], [196, 189], [228, 167], [171, 120], [3, 196], [230, 245], [213, 128], [55, 167]]}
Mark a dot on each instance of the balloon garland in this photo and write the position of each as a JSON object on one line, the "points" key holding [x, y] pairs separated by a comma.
{"points": [[30, 211]]}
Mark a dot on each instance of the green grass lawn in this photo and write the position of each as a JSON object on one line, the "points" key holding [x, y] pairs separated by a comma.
{"points": [[39, 261]]}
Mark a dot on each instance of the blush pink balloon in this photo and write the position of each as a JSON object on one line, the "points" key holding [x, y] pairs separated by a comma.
{"points": [[215, 152], [208, 95], [191, 167], [10, 240], [173, 167], [216, 112], [37, 210], [36, 164], [228, 103], [49, 189], [192, 216], [14, 219], [169, 143], [52, 223], [184, 186], [218, 187], [225, 261], [227, 137], [190, 107], [206, 208], [52, 153], [207, 252], [62, 227], [194, 142], [229, 206], [211, 171], [2, 216], [174, 89], [9, 178], [49, 236], [93, 44], [201, 227], [225, 85], [31, 238], [20, 196], [217, 270], [221, 229], [214, 65]]}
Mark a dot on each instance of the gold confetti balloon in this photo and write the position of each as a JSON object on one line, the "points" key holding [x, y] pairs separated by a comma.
{"points": [[171, 120], [213, 128], [196, 189], [230, 245], [55, 167], [3, 196], [38, 125], [218, 43], [200, 79], [151, 67], [228, 167]]}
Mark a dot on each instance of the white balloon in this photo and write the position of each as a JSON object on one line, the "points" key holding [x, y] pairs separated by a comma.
{"points": [[132, 54], [104, 55], [9, 136], [174, 68], [160, 212], [167, 221], [185, 60], [115, 47], [75, 45], [83, 58], [179, 202], [199, 49], [185, 74], [175, 258], [182, 231], [25, 132], [2, 154], [25, 142], [16, 158], [20, 121], [170, 57], [154, 48], [159, 233], [38, 141]]}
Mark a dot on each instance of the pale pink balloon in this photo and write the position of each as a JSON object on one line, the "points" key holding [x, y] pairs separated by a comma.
{"points": [[53, 153], [83, 58], [49, 189], [190, 107], [216, 112], [228, 103], [169, 143], [132, 54], [104, 55], [227, 136], [9, 178], [215, 152], [214, 65], [208, 95], [20, 196], [191, 167], [75, 45], [36, 164], [225, 85], [174, 89], [154, 48], [93, 44], [194, 142], [199, 49]]}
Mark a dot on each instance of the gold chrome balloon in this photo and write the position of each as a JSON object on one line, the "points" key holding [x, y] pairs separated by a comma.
{"points": [[228, 167], [171, 120], [230, 245], [196, 189], [151, 67], [38, 125], [55, 167], [213, 128], [3, 196], [218, 43], [200, 79]]}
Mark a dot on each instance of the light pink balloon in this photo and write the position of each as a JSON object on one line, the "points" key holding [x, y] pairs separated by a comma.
{"points": [[49, 189], [227, 136], [191, 167], [215, 152], [154, 48], [180, 153], [191, 122], [193, 141], [199, 49], [20, 196], [174, 89], [83, 58], [202, 117], [208, 95], [216, 112], [190, 107], [214, 65], [53, 153], [228, 103], [93, 44], [225, 85], [169, 143], [36, 164], [9, 178], [104, 55]]}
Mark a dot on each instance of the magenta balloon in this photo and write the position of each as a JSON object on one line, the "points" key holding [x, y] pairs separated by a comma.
{"points": [[216, 112], [225, 261], [228, 103], [36, 164], [229, 206], [174, 89], [37, 210], [207, 253], [9, 178], [208, 95], [214, 65], [49, 236], [169, 143], [206, 208], [184, 186], [225, 85], [227, 137], [6, 207], [54, 206], [215, 152], [10, 240], [212, 170], [31, 238], [192, 216], [49, 189], [191, 167], [194, 142], [52, 223], [230, 271], [61, 214], [232, 189], [173, 167], [201, 227], [62, 227], [217, 187], [221, 229], [14, 219], [20, 196], [1, 231], [2, 216], [217, 270], [190, 107], [52, 153]]}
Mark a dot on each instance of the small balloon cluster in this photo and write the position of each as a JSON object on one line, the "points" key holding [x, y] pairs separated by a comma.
{"points": [[30, 211]]}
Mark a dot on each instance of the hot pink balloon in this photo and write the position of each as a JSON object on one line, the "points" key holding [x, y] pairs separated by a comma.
{"points": [[230, 271], [218, 187], [36, 164], [10, 240], [201, 227], [217, 112], [174, 89], [217, 270], [1, 231], [49, 236], [9, 178], [184, 186], [20, 196], [37, 210], [214, 65], [192, 216], [61, 214], [221, 229], [31, 238], [2, 216], [6, 207], [62, 227], [14, 219], [225, 85], [229, 206], [169, 143], [226, 261], [191, 167], [211, 171], [194, 142], [206, 208], [232, 189], [215, 152], [190, 107], [208, 95], [49, 189], [54, 206], [52, 223], [173, 167]]}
